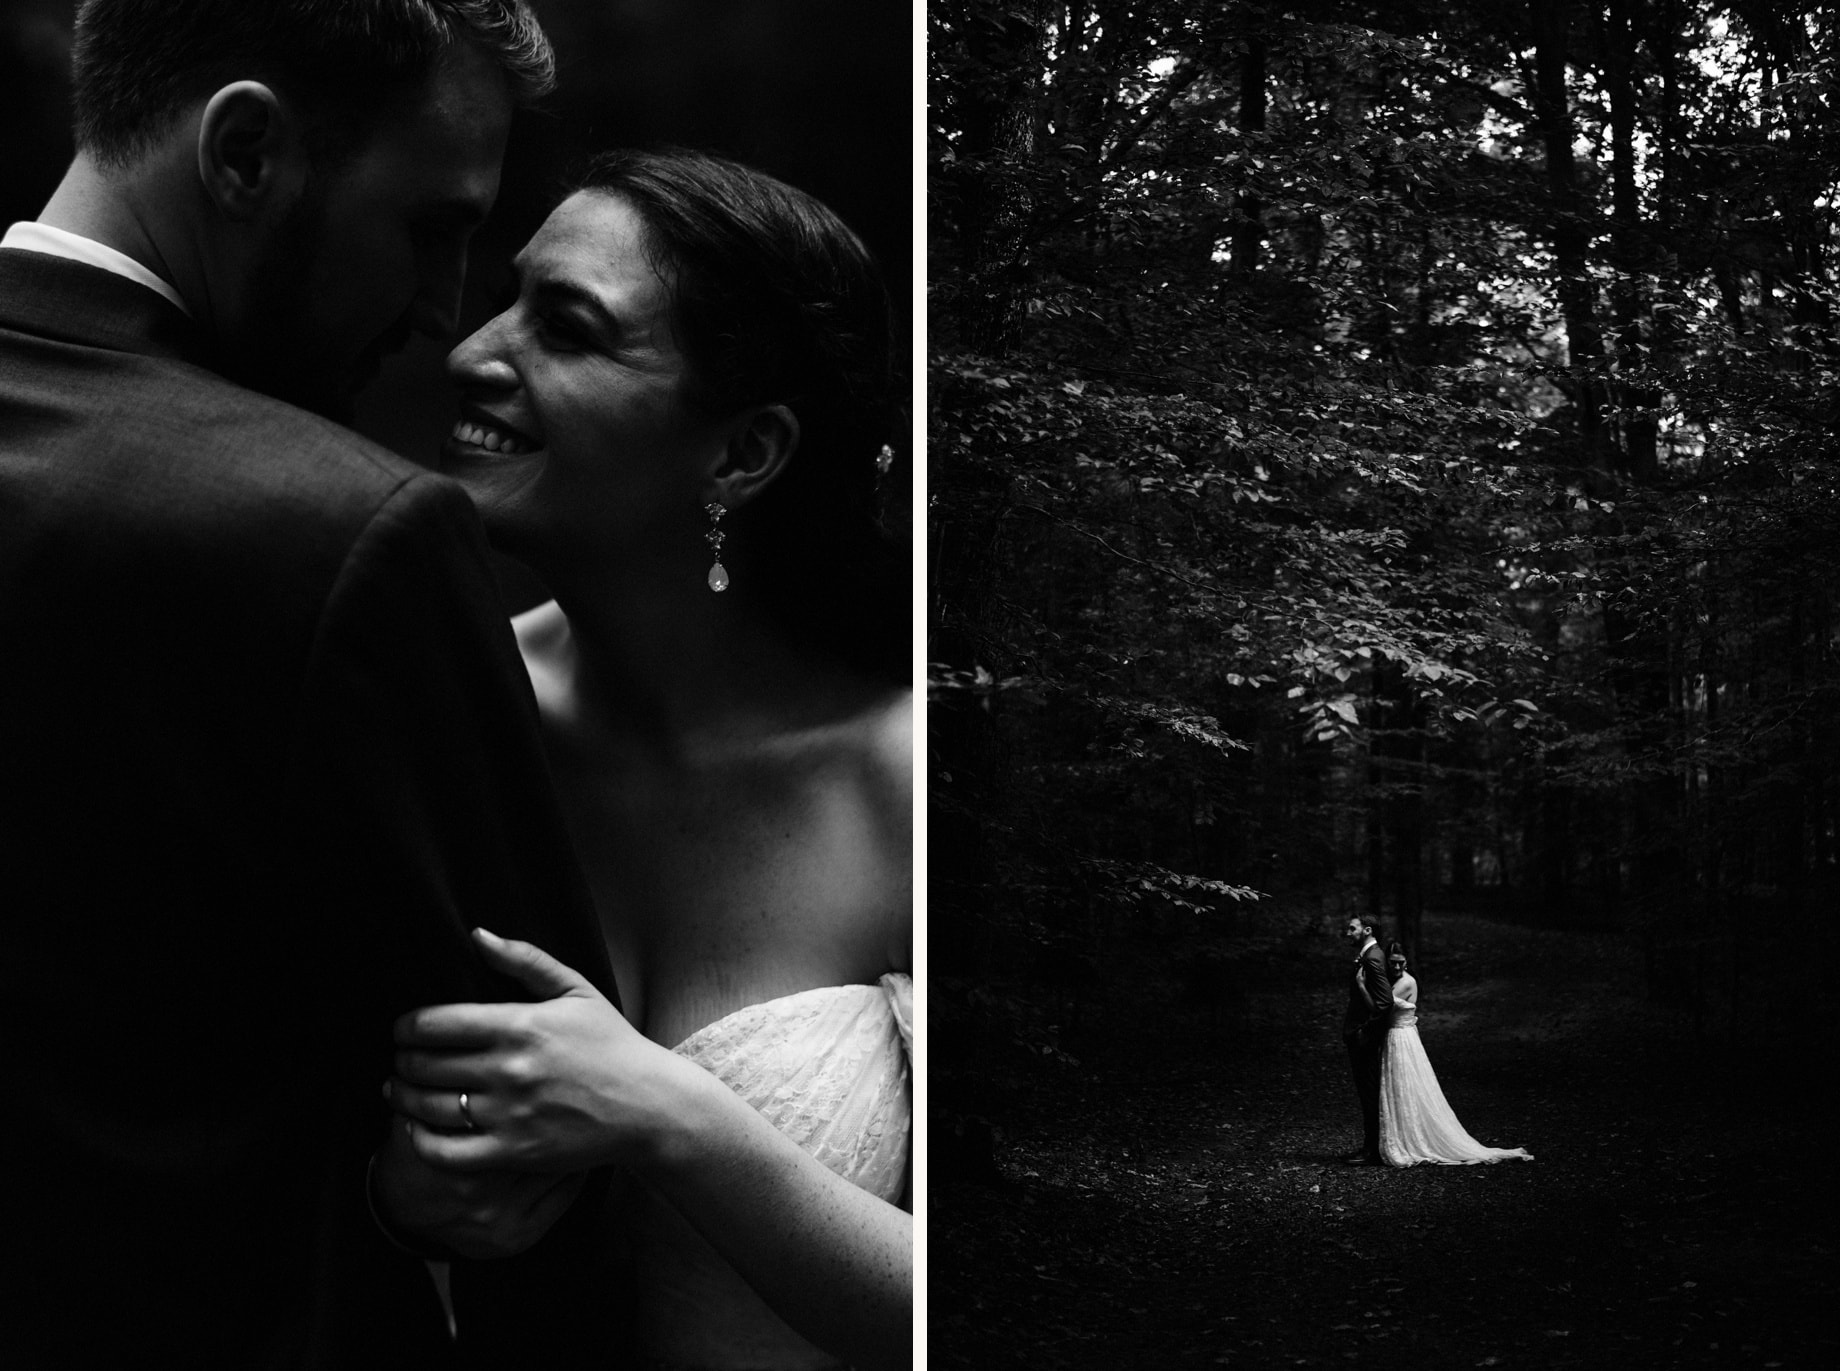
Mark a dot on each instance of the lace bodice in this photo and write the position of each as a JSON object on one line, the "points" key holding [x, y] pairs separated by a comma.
{"points": [[830, 1069]]}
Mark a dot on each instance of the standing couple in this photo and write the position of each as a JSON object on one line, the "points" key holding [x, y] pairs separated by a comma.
{"points": [[275, 761], [1404, 1116]]}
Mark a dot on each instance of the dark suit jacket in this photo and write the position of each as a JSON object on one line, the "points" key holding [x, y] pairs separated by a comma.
{"points": [[266, 754], [1370, 992]]}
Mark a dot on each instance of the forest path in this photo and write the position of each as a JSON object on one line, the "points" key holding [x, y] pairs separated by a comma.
{"points": [[1176, 1206]]}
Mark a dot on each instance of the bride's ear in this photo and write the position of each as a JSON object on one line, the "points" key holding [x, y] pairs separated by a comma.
{"points": [[758, 448]]}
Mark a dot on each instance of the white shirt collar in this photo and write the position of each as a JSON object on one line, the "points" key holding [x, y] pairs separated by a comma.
{"points": [[57, 242], [1371, 942]]}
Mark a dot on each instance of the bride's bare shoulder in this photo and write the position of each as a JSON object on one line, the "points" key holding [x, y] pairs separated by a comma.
{"points": [[873, 754], [888, 729]]}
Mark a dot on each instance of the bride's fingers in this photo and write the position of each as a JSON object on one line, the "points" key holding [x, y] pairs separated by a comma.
{"points": [[455, 1151], [531, 966], [452, 1026], [452, 1111], [445, 1070]]}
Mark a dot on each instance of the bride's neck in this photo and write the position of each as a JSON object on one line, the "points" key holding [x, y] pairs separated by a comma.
{"points": [[667, 671]]}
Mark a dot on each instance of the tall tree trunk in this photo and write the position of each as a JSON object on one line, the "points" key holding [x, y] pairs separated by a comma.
{"points": [[1421, 349], [1248, 225], [1638, 401], [1806, 224], [1793, 831], [1568, 227], [999, 124], [1664, 44]]}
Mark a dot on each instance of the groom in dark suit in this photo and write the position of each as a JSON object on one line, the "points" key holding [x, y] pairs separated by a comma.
{"points": [[269, 751], [1364, 1025]]}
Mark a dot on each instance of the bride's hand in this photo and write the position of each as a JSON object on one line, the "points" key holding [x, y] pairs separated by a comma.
{"points": [[563, 1084]]}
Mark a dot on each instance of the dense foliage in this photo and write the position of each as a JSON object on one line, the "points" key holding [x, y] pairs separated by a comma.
{"points": [[1380, 453]]}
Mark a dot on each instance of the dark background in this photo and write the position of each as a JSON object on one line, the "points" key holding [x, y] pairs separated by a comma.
{"points": [[816, 92]]}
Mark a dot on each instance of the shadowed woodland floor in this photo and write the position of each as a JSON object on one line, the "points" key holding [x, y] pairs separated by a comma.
{"points": [[1176, 1200]]}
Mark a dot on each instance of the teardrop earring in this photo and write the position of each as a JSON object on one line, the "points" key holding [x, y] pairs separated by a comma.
{"points": [[718, 574]]}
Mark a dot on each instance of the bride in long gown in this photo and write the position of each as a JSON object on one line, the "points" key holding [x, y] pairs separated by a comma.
{"points": [[679, 424], [1416, 1123]]}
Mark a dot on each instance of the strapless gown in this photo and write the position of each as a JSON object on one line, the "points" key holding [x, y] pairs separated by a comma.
{"points": [[830, 1069], [1416, 1123]]}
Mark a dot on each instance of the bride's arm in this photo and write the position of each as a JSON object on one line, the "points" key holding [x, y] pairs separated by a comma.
{"points": [[567, 1084], [832, 1260]]}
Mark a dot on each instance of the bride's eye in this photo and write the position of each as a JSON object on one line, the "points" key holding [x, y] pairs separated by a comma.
{"points": [[559, 333]]}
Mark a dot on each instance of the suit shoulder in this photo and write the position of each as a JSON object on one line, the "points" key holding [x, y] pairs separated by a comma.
{"points": [[260, 424], [167, 466], [267, 461]]}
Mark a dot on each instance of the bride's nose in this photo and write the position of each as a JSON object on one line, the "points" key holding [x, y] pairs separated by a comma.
{"points": [[483, 357]]}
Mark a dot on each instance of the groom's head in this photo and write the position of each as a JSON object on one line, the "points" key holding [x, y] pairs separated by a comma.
{"points": [[308, 172], [1358, 930]]}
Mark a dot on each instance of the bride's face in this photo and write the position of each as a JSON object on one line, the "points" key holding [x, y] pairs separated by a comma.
{"points": [[576, 436]]}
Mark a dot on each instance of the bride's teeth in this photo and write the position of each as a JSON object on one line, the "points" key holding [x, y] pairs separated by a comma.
{"points": [[478, 435]]}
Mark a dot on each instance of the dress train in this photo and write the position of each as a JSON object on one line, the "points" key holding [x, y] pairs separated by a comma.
{"points": [[1417, 1124]]}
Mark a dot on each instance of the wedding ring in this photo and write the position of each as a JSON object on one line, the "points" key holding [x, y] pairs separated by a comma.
{"points": [[466, 1114]]}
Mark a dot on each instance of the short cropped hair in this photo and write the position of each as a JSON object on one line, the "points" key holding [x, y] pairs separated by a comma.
{"points": [[137, 64], [774, 300]]}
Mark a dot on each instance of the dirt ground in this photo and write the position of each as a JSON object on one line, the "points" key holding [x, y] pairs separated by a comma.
{"points": [[1177, 1200]]}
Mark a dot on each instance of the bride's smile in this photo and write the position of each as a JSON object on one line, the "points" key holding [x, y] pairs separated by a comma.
{"points": [[493, 437]]}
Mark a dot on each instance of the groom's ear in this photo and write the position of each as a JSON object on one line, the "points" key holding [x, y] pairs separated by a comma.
{"points": [[760, 444], [250, 155]]}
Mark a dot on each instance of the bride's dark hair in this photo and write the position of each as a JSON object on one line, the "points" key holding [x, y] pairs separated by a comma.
{"points": [[776, 301], [1394, 952]]}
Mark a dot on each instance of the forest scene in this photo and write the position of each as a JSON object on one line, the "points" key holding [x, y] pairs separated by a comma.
{"points": [[1381, 463]]}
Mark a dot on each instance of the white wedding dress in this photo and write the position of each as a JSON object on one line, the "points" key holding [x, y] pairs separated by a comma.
{"points": [[1416, 1123], [830, 1069]]}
